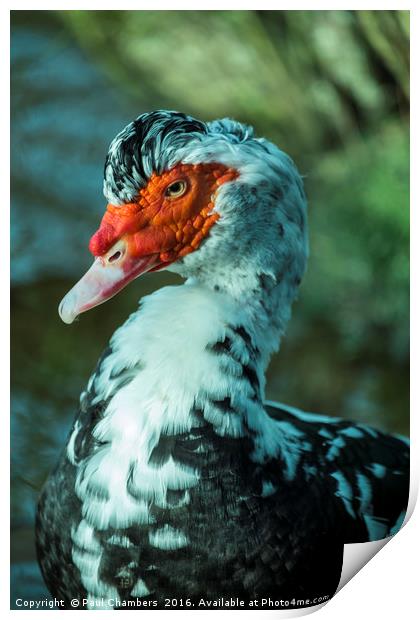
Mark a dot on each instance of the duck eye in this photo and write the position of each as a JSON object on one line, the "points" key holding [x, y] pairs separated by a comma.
{"points": [[176, 189]]}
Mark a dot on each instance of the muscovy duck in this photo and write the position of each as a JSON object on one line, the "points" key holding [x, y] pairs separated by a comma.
{"points": [[178, 480]]}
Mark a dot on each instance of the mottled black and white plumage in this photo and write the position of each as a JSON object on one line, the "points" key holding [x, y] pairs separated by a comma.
{"points": [[178, 479], [146, 145]]}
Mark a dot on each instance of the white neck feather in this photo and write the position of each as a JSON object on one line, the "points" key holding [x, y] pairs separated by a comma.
{"points": [[171, 350]]}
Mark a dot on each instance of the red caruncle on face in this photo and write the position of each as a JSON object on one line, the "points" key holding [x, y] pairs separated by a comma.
{"points": [[170, 217]]}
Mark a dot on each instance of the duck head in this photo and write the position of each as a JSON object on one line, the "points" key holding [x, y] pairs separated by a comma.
{"points": [[209, 201]]}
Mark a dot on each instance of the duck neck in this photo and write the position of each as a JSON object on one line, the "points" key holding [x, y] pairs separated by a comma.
{"points": [[188, 351], [261, 301], [187, 366]]}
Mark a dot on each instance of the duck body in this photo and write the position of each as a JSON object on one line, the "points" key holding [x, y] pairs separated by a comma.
{"points": [[178, 480]]}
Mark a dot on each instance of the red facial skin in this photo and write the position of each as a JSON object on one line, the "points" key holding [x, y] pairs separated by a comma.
{"points": [[149, 233], [158, 224]]}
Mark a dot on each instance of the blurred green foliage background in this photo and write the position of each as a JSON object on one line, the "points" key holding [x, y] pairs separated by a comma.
{"points": [[331, 88]]}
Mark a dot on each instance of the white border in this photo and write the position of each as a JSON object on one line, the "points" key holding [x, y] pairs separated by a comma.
{"points": [[387, 586], [209, 6]]}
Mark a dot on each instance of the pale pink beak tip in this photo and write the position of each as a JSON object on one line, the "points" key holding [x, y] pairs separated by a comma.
{"points": [[101, 282]]}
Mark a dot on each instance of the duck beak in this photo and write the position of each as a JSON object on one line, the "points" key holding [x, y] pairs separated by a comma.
{"points": [[105, 278]]}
